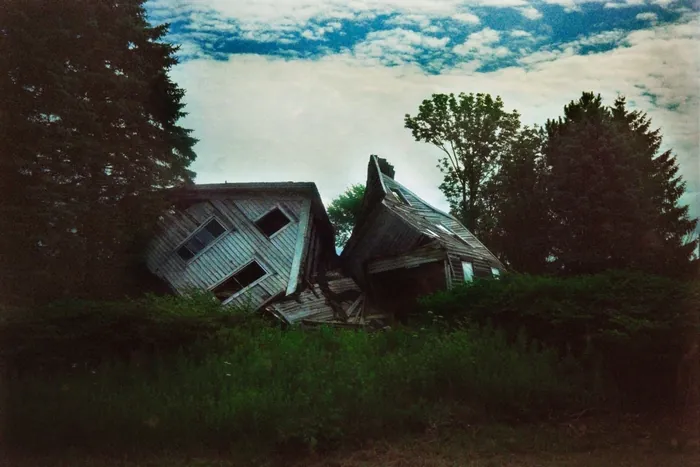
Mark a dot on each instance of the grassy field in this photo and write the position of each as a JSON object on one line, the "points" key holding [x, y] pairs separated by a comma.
{"points": [[175, 382], [584, 442]]}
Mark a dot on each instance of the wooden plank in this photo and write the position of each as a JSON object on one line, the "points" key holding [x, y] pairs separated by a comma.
{"points": [[409, 260], [302, 236], [354, 307], [448, 275]]}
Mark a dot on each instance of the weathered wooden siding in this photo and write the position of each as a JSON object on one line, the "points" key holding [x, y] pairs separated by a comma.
{"points": [[233, 249], [436, 217], [482, 268], [411, 259], [312, 304], [384, 234], [317, 256]]}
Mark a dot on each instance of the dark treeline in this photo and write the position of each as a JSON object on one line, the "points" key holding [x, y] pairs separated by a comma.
{"points": [[89, 140], [585, 193]]}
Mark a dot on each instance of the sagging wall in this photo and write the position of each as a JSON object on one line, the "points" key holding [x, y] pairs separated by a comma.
{"points": [[242, 243], [383, 234]]}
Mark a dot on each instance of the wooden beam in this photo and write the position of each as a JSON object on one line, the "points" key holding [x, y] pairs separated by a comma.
{"points": [[302, 236], [448, 275]]}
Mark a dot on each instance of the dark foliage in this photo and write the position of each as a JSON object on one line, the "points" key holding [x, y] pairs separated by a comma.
{"points": [[626, 327], [89, 137], [343, 212], [613, 200], [520, 214], [62, 335], [186, 373]]}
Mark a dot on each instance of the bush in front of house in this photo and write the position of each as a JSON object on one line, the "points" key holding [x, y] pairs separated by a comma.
{"points": [[273, 388], [67, 334], [627, 328]]}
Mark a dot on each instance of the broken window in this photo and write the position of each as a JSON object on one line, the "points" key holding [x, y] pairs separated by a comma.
{"points": [[400, 196], [468, 270], [272, 222], [239, 280], [203, 237]]}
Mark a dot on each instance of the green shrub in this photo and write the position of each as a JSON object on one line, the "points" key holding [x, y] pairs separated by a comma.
{"points": [[624, 326], [273, 388], [83, 333]]}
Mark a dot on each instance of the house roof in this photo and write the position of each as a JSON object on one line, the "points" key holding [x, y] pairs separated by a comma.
{"points": [[250, 186], [420, 215]]}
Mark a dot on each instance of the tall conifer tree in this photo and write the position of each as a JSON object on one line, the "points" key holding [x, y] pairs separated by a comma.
{"points": [[614, 200], [88, 117]]}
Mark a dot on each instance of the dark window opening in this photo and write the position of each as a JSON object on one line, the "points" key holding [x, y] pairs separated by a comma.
{"points": [[239, 281], [400, 196], [185, 253], [210, 232], [272, 222]]}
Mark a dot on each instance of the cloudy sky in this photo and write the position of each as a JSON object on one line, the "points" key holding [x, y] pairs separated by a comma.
{"points": [[306, 90]]}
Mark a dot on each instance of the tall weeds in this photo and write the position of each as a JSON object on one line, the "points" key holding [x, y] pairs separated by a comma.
{"points": [[274, 388]]}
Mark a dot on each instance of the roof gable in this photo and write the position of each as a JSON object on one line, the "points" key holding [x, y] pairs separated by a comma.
{"points": [[429, 221]]}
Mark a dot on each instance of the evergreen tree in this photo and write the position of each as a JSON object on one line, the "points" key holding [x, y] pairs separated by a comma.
{"points": [[614, 202], [520, 236], [89, 138]]}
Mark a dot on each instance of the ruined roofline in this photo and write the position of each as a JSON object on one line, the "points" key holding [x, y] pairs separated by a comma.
{"points": [[246, 186]]}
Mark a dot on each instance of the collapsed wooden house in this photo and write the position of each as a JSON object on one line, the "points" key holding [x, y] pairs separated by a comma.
{"points": [[260, 245], [402, 247], [271, 247]]}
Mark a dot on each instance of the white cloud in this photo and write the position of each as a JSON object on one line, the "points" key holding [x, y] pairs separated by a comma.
{"points": [[469, 18], [396, 45], [601, 38], [568, 5], [572, 48], [317, 33], [520, 33], [542, 56], [497, 3], [480, 44], [422, 21], [648, 16], [267, 119], [625, 4], [531, 13], [279, 18]]}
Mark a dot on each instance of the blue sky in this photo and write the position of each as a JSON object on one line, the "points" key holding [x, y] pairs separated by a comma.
{"points": [[306, 90]]}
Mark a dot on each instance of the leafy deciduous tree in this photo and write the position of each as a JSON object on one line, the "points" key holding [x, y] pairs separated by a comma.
{"points": [[473, 132], [343, 212]]}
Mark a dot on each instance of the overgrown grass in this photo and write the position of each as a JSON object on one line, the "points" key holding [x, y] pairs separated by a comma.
{"points": [[277, 389], [168, 373]]}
